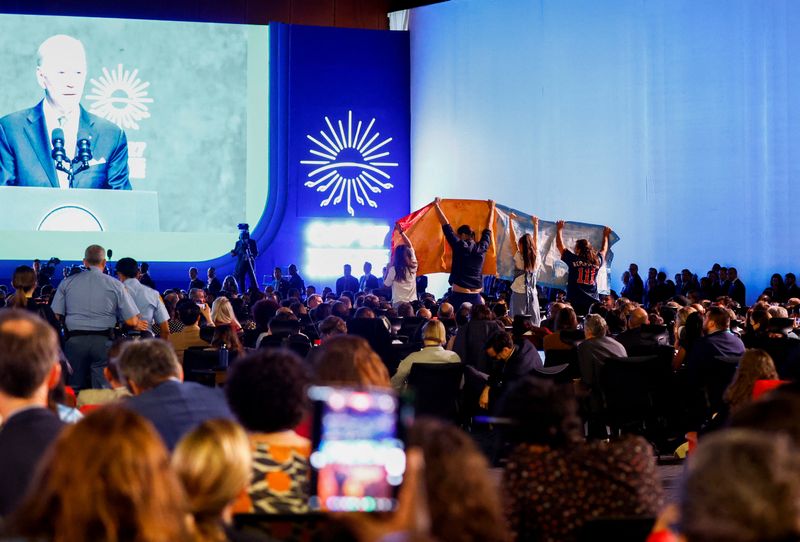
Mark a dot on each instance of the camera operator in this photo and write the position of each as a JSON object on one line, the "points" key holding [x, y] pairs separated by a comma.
{"points": [[245, 253]]}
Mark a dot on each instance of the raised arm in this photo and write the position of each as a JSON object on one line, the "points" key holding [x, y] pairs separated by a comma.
{"points": [[606, 235], [490, 219], [439, 212], [535, 220], [406, 241], [559, 238]]}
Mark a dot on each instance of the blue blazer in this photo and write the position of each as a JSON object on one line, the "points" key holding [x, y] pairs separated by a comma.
{"points": [[175, 408], [25, 152]]}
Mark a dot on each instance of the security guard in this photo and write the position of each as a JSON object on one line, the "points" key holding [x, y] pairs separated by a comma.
{"points": [[90, 304], [151, 307]]}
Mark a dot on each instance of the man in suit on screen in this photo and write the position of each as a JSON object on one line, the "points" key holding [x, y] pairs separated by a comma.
{"points": [[26, 135]]}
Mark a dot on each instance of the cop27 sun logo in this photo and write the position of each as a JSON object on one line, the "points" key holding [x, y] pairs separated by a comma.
{"points": [[350, 164], [121, 97]]}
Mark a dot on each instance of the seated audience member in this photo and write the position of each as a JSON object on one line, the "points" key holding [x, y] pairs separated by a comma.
{"points": [[267, 392], [554, 481], [597, 348], [552, 313], [331, 327], [523, 329], [741, 485], [639, 339], [122, 489], [424, 313], [341, 309], [153, 375], [348, 360], [433, 339], [62, 402], [717, 342], [262, 312], [313, 301], [755, 365], [471, 340], [222, 314], [171, 301], [510, 362], [463, 500], [29, 368], [189, 336], [688, 335], [199, 298], [24, 283], [214, 465], [227, 337], [566, 320], [118, 390]]}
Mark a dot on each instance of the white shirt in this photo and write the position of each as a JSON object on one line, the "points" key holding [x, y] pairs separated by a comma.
{"points": [[429, 354], [403, 290], [70, 126]]}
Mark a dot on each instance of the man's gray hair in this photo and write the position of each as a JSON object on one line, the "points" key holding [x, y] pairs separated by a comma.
{"points": [[59, 42], [94, 254], [596, 325], [148, 363]]}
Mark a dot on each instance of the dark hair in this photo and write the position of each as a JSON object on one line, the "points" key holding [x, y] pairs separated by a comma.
{"points": [[404, 264], [585, 252], [566, 319], [267, 390], [481, 312], [477, 516], [127, 267], [263, 311], [24, 280], [226, 335], [188, 312], [349, 360], [464, 229], [543, 413], [720, 316], [364, 312], [405, 309], [499, 341], [284, 322], [528, 254], [28, 350], [340, 309], [148, 362]]}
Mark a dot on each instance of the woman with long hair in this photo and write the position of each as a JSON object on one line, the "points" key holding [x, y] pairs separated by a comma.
{"points": [[401, 275], [222, 314], [108, 479], [776, 289], [24, 283], [225, 335], [584, 262], [213, 462], [348, 360], [524, 299], [755, 365]]}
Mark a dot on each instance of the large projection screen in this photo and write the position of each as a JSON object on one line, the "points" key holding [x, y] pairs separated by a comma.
{"points": [[188, 104]]}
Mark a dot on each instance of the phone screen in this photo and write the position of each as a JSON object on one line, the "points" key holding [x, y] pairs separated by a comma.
{"points": [[358, 457]]}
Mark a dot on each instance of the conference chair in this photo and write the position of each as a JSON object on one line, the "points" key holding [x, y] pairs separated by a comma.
{"points": [[437, 389]]}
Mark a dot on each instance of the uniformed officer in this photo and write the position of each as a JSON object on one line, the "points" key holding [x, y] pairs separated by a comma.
{"points": [[90, 304], [148, 301]]}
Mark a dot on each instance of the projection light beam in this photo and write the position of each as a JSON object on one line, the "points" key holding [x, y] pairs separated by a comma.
{"points": [[348, 164]]}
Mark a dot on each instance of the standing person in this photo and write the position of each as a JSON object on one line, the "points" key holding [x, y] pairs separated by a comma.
{"points": [[194, 281], [401, 276], [347, 282], [466, 273], [245, 251], [90, 303], [736, 289], [635, 284], [144, 276], [25, 284], [583, 264], [524, 299], [151, 307], [213, 285], [279, 284], [368, 281], [296, 281]]}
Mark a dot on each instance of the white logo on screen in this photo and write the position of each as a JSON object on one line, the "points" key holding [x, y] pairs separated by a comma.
{"points": [[121, 97], [351, 164]]}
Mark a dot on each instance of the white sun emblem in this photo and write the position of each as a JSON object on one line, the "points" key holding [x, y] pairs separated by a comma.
{"points": [[349, 167], [119, 96]]}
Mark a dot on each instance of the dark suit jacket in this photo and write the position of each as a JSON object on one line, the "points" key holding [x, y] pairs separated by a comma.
{"points": [[175, 408], [643, 340], [25, 152], [736, 291], [23, 440], [717, 345]]}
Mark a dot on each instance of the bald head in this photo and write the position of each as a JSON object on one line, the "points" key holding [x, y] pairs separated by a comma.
{"points": [[638, 318]]}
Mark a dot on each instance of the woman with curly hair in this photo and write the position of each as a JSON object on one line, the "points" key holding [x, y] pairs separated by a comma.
{"points": [[107, 479], [401, 276], [266, 390]]}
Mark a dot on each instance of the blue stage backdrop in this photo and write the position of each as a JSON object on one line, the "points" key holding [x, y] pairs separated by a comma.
{"points": [[674, 121], [341, 107]]}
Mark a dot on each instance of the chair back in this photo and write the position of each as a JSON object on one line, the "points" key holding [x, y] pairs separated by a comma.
{"points": [[198, 358], [437, 388], [296, 342], [621, 529], [376, 334], [628, 388]]}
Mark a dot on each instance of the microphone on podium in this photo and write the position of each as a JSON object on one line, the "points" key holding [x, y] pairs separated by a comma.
{"points": [[59, 153]]}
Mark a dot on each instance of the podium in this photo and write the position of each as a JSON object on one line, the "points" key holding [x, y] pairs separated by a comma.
{"points": [[78, 210]]}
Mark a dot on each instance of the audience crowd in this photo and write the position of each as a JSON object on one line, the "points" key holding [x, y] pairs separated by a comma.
{"points": [[129, 414]]}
